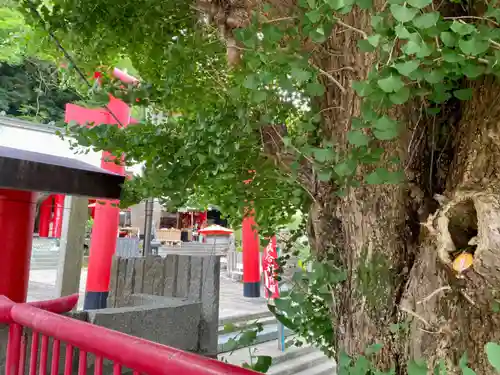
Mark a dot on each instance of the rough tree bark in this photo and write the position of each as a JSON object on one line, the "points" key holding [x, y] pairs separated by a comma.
{"points": [[395, 240]]}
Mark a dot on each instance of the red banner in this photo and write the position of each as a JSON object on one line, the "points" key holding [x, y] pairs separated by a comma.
{"points": [[270, 267]]}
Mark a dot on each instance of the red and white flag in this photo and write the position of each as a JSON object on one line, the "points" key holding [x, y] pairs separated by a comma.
{"points": [[270, 267]]}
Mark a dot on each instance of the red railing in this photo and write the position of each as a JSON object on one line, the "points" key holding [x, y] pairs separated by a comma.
{"points": [[139, 355]]}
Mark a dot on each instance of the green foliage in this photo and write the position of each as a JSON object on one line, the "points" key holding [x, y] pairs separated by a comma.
{"points": [[245, 338], [14, 34], [362, 364], [493, 353], [306, 307], [34, 90], [18, 40]]}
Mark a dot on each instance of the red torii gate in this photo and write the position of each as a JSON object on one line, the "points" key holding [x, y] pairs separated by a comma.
{"points": [[107, 213], [54, 203]]}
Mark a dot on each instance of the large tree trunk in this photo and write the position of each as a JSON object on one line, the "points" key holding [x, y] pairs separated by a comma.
{"points": [[399, 269], [460, 317], [395, 240]]}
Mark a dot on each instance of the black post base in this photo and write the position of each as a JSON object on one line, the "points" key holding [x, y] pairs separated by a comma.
{"points": [[251, 290], [95, 300]]}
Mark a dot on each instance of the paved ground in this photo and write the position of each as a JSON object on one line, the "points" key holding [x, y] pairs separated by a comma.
{"points": [[232, 303]]}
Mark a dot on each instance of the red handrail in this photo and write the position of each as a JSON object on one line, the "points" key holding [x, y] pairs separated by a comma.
{"points": [[57, 306], [135, 353]]}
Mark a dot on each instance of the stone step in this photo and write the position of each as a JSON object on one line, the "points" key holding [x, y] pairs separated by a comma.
{"points": [[44, 263], [45, 257], [266, 320], [245, 318], [326, 368], [50, 258], [43, 260], [267, 348], [305, 360], [291, 353], [270, 333], [301, 363], [43, 267]]}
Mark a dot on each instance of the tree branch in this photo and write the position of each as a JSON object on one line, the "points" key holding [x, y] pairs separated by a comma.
{"points": [[332, 78], [365, 35]]}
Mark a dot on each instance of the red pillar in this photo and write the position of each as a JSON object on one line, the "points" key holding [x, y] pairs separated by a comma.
{"points": [[45, 215], [58, 215], [107, 214], [251, 264], [17, 220]]}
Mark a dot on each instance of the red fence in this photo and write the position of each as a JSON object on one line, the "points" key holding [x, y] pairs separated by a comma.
{"points": [[140, 356]]}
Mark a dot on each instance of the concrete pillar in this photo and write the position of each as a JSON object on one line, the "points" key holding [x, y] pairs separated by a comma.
{"points": [[71, 245]]}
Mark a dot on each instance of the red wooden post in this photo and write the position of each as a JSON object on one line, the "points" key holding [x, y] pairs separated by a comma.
{"points": [[251, 247], [251, 264], [45, 215], [106, 218], [58, 215], [17, 219]]}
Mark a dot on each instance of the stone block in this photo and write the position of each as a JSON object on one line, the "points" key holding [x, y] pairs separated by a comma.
{"points": [[153, 275], [168, 321], [209, 322], [170, 282], [195, 278], [113, 282], [138, 274], [183, 276], [121, 280], [129, 286]]}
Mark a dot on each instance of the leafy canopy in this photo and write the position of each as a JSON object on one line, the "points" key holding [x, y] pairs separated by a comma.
{"points": [[217, 143]]}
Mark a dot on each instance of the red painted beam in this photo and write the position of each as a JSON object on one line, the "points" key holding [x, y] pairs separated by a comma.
{"points": [[124, 77]]}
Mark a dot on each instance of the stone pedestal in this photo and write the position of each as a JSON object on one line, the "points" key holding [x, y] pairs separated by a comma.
{"points": [[195, 278]]}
